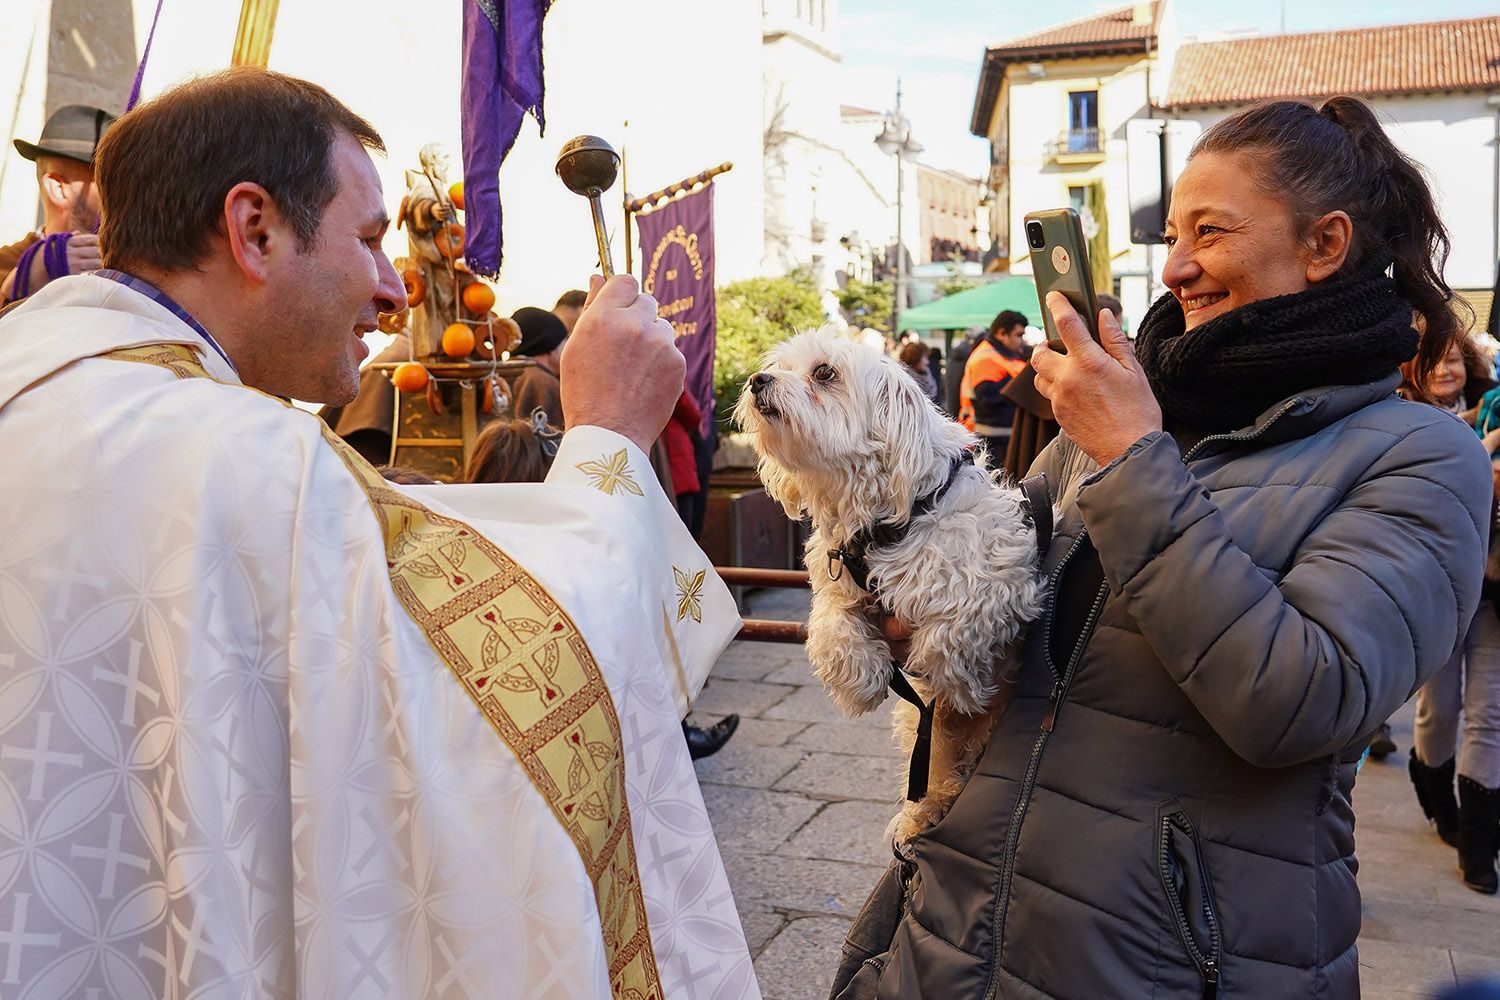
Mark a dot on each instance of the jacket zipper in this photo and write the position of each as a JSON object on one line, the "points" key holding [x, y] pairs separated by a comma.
{"points": [[1286, 408], [1054, 700], [1208, 965]]}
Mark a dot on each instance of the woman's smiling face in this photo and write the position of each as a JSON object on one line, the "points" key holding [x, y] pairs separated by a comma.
{"points": [[1229, 243], [1446, 384]]}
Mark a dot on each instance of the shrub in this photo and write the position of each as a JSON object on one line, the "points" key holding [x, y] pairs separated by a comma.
{"points": [[868, 304], [755, 315]]}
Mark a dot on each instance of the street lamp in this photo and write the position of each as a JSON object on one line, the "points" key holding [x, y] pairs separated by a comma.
{"points": [[895, 139]]}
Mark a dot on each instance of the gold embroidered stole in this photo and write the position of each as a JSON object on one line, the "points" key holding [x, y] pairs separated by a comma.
{"points": [[527, 667]]}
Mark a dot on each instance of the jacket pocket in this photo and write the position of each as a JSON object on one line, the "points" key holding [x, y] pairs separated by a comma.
{"points": [[1190, 898], [868, 943], [864, 984]]}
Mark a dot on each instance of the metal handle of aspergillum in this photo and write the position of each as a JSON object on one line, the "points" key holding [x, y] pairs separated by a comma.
{"points": [[587, 166]]}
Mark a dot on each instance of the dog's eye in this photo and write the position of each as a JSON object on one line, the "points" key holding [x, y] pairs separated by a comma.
{"points": [[824, 373]]}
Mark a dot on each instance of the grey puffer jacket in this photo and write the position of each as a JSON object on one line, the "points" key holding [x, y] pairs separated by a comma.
{"points": [[1168, 813]]}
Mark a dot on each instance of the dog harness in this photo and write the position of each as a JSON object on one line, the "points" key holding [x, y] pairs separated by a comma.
{"points": [[852, 557], [883, 534]]}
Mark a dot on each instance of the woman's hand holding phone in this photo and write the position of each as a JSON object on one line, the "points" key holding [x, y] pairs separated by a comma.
{"points": [[1098, 391]]}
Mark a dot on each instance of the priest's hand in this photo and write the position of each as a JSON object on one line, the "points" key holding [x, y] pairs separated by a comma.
{"points": [[621, 368], [1099, 393]]}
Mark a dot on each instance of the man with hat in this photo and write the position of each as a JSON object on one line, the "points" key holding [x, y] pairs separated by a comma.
{"points": [[66, 244], [542, 338]]}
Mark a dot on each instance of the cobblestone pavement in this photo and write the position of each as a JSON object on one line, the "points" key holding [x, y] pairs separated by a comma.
{"points": [[801, 796]]}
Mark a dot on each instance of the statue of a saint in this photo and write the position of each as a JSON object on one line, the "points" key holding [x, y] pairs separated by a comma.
{"points": [[433, 269]]}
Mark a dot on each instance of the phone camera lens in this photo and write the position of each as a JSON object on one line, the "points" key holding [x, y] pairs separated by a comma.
{"points": [[1034, 235]]}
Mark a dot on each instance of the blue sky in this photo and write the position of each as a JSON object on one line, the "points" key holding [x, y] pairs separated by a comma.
{"points": [[936, 47]]}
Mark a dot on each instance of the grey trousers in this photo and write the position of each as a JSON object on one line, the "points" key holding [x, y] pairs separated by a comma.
{"points": [[1469, 684]]}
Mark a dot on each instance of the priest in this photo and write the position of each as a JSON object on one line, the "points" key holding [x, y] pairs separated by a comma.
{"points": [[270, 726]]}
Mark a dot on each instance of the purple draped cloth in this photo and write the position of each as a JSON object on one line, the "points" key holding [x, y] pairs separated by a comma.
{"points": [[502, 81]]}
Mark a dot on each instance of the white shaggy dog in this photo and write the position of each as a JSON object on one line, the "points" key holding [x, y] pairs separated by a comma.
{"points": [[846, 434]]}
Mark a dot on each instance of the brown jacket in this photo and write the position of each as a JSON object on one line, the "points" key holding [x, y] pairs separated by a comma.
{"points": [[11, 255], [1034, 426]]}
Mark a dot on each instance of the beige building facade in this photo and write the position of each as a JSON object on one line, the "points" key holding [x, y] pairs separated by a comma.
{"points": [[1057, 107]]}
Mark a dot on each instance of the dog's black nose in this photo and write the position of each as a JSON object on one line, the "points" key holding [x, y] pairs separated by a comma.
{"points": [[759, 381]]}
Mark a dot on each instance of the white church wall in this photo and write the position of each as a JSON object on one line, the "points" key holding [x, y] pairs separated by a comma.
{"points": [[397, 64]]}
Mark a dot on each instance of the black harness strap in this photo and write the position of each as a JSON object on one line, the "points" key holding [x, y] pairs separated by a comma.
{"points": [[851, 555], [1039, 508], [921, 750]]}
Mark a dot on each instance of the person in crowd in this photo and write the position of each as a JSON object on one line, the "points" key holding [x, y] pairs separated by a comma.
{"points": [[1260, 553], [680, 438], [1034, 426], [1112, 303], [915, 357], [67, 242], [953, 376], [1485, 414], [367, 421], [995, 360], [329, 728], [403, 476], [1468, 687], [1459, 384], [694, 506], [543, 335], [513, 450], [569, 306], [521, 451], [939, 377]]}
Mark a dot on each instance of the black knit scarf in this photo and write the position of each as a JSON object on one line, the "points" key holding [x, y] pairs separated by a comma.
{"points": [[1225, 373]]}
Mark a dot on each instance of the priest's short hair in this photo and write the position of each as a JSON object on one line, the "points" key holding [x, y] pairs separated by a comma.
{"points": [[164, 169]]}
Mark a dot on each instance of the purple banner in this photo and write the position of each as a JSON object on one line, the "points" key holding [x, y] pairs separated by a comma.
{"points": [[500, 82], [677, 261]]}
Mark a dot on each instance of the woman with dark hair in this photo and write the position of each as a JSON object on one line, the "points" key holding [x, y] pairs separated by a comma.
{"points": [[918, 361], [1458, 384], [1260, 553], [1458, 709]]}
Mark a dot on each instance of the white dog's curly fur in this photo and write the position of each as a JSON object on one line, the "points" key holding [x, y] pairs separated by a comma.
{"points": [[846, 435]]}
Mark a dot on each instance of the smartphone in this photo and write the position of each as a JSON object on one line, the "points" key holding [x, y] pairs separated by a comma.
{"points": [[1060, 262]]}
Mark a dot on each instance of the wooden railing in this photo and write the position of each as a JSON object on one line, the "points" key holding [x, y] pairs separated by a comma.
{"points": [[759, 629]]}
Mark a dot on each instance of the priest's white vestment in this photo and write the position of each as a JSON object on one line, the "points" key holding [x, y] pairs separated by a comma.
{"points": [[270, 727]]}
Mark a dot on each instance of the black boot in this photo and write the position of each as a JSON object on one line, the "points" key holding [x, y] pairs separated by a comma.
{"points": [[709, 740], [1478, 816], [1384, 744], [1434, 787]]}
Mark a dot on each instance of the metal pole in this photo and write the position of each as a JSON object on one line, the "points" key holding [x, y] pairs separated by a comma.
{"points": [[1495, 222], [606, 262], [625, 198], [900, 247]]}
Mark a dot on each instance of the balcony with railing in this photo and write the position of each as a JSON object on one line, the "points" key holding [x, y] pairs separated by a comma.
{"points": [[1077, 145]]}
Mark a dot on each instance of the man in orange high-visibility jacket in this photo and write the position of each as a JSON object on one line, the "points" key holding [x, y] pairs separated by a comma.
{"points": [[994, 361]]}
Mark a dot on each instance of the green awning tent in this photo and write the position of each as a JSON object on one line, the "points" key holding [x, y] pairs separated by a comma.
{"points": [[976, 306]]}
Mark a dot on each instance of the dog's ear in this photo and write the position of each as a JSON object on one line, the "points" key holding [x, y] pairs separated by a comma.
{"points": [[782, 486], [914, 435]]}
